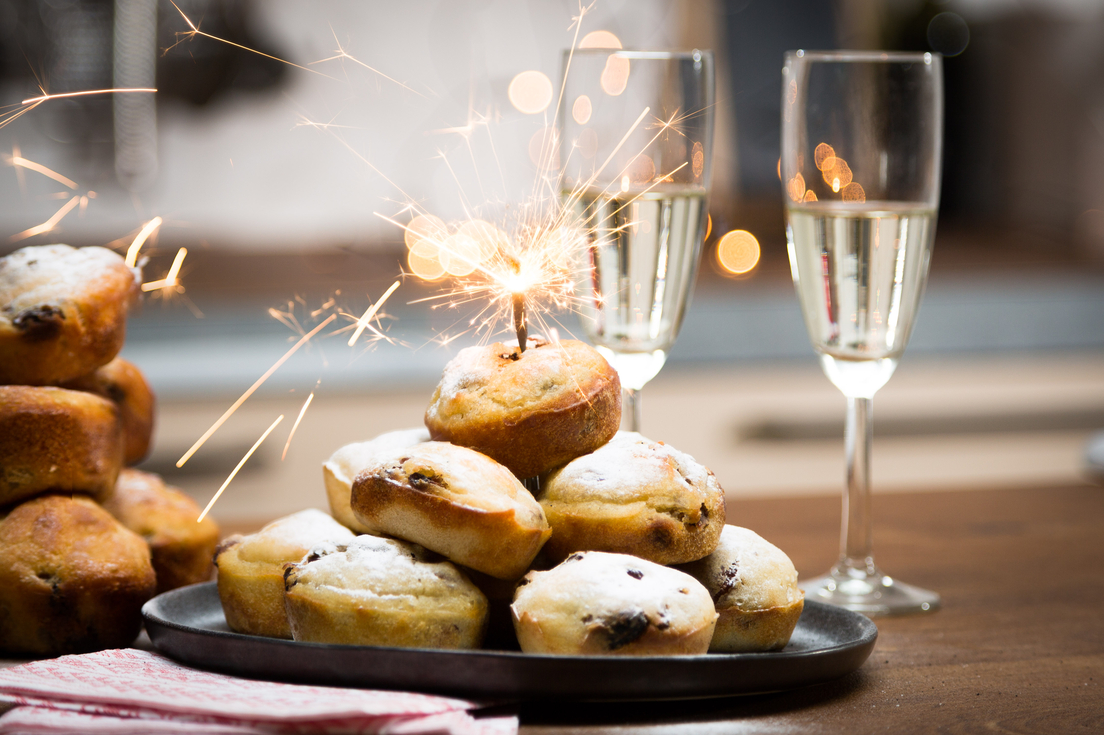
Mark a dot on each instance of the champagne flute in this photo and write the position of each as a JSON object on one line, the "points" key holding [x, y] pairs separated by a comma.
{"points": [[637, 132], [861, 155]]}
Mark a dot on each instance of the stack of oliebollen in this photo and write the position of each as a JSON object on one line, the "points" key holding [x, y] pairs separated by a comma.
{"points": [[435, 542], [84, 540]]}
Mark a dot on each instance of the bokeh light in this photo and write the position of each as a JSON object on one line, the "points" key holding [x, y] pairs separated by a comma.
{"points": [[738, 252], [615, 75], [581, 110], [424, 260], [854, 192], [423, 227], [697, 160], [530, 92], [600, 39], [822, 153]]}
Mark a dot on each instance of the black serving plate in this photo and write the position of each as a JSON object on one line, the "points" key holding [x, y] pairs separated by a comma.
{"points": [[188, 625]]}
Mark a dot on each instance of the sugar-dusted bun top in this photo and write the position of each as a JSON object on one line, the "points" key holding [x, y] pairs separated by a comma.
{"points": [[631, 468], [373, 567], [290, 538], [597, 602], [350, 459], [747, 572], [546, 373], [459, 475], [533, 410], [46, 274]]}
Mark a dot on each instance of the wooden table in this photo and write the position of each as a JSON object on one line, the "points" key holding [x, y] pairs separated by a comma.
{"points": [[1017, 647]]}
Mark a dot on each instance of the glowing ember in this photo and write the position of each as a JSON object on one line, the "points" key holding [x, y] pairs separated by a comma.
{"points": [[169, 282]]}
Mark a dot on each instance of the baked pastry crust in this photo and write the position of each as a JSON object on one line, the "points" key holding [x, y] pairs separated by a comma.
{"points": [[251, 569], [454, 501], [53, 439], [531, 411], [72, 579], [374, 591], [634, 496], [122, 382], [343, 466], [62, 312], [754, 587], [182, 550], [596, 603]]}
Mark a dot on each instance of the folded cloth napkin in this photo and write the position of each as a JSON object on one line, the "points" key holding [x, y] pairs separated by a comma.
{"points": [[129, 691]]}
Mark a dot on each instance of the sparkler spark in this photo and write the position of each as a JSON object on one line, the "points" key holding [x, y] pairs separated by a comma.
{"points": [[295, 426], [49, 224], [170, 279], [240, 465], [366, 320], [140, 239], [252, 389], [20, 162]]}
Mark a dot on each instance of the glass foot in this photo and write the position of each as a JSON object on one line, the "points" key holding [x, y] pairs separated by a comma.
{"points": [[867, 590]]}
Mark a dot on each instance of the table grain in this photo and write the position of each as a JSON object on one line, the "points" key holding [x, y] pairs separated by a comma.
{"points": [[1018, 646]]}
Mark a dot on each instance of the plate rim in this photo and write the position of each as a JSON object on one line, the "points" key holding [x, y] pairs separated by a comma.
{"points": [[166, 633]]}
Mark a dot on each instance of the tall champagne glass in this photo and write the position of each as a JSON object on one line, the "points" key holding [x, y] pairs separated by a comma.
{"points": [[637, 139], [861, 156]]}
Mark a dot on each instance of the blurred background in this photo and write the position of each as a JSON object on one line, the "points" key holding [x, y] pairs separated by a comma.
{"points": [[274, 176]]}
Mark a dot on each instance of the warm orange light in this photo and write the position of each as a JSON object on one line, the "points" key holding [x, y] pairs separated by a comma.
{"points": [[424, 227], [708, 226], [530, 92], [795, 188], [778, 168], [837, 174], [810, 196], [615, 75], [738, 252], [822, 153], [581, 110], [600, 39], [697, 160], [854, 192]]}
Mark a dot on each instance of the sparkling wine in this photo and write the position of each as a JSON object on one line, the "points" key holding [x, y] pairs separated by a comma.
{"points": [[859, 270], [643, 256]]}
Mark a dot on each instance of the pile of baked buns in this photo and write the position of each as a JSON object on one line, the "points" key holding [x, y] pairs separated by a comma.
{"points": [[436, 542], [84, 540]]}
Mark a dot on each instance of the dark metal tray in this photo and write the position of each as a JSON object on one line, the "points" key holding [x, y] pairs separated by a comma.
{"points": [[188, 625]]}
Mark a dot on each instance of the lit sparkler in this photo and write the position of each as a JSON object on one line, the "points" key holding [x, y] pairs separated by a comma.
{"points": [[169, 282]]}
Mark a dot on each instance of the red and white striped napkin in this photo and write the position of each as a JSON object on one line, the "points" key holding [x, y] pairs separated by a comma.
{"points": [[129, 691]]}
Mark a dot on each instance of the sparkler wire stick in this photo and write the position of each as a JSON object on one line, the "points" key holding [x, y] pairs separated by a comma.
{"points": [[240, 464], [222, 419], [520, 325]]}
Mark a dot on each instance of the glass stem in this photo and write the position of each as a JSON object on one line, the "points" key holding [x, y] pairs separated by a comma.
{"points": [[856, 539], [630, 409]]}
